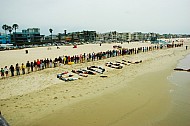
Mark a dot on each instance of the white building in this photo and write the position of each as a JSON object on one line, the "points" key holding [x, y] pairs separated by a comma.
{"points": [[126, 36], [137, 36]]}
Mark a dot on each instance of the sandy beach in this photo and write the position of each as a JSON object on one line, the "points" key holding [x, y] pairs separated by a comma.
{"points": [[138, 94]]}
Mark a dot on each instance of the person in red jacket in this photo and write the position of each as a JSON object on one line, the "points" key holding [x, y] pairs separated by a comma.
{"points": [[38, 64]]}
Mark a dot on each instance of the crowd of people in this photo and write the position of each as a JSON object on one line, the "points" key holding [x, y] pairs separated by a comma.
{"points": [[40, 64]]}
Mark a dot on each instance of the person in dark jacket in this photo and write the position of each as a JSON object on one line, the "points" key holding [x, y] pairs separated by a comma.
{"points": [[12, 69], [28, 66], [17, 69]]}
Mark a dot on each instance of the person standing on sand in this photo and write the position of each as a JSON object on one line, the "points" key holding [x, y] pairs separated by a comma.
{"points": [[64, 60], [50, 63], [28, 66], [80, 58], [69, 59], [47, 63], [35, 65], [17, 69], [6, 71], [2, 73], [23, 68], [12, 69], [55, 62], [32, 66], [41, 64], [84, 57], [38, 64]]}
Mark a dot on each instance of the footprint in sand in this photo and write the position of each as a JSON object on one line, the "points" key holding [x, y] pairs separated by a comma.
{"points": [[73, 96], [55, 98], [80, 95]]}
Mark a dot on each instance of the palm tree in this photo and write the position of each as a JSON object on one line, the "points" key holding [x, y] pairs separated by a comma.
{"points": [[65, 32], [15, 27], [5, 27], [10, 29], [51, 30]]}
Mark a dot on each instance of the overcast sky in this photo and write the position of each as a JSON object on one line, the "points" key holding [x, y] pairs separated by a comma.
{"points": [[160, 16]]}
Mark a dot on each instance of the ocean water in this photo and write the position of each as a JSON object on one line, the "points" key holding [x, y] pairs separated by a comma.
{"points": [[180, 94]]}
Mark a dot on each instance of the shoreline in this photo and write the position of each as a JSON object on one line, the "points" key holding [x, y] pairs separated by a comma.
{"points": [[50, 98]]}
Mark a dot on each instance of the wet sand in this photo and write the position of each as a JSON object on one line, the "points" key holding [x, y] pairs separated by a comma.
{"points": [[180, 94], [141, 102], [139, 94]]}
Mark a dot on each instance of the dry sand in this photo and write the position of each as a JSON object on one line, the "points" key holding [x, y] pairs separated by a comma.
{"points": [[19, 56], [138, 94]]}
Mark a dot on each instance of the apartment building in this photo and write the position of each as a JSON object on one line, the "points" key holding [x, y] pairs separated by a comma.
{"points": [[28, 35], [126, 36], [5, 39]]}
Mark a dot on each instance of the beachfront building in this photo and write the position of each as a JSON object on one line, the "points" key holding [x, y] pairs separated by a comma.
{"points": [[149, 36], [120, 37], [33, 34], [89, 36], [169, 36], [146, 36], [126, 36], [5, 39], [83, 36], [111, 36], [100, 37], [61, 37], [105, 37], [114, 36], [27, 36], [53, 37], [137, 36], [154, 36], [74, 37]]}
